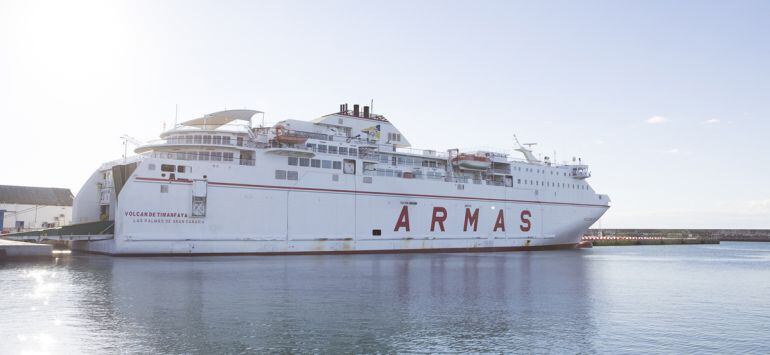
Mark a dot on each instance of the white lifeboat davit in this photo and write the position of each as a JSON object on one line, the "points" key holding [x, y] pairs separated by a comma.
{"points": [[472, 162]]}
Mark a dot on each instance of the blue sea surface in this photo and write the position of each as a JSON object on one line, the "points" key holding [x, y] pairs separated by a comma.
{"points": [[630, 299]]}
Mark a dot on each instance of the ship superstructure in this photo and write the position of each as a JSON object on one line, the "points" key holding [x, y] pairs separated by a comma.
{"points": [[345, 182]]}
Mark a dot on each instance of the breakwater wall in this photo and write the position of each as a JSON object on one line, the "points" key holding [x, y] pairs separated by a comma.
{"points": [[742, 235]]}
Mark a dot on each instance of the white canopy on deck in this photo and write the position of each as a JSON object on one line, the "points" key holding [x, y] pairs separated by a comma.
{"points": [[221, 118]]}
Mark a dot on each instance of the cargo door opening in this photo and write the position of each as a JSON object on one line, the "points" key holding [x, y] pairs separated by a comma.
{"points": [[199, 195]]}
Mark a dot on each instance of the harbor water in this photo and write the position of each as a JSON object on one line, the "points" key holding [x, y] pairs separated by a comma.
{"points": [[630, 299]]}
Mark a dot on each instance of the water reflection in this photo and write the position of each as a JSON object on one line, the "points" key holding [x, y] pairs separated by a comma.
{"points": [[364, 303], [680, 299]]}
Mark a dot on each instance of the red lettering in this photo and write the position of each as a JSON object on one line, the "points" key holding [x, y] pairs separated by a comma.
{"points": [[437, 218], [527, 225], [403, 220], [472, 219], [500, 222]]}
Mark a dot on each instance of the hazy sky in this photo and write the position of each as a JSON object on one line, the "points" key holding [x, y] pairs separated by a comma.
{"points": [[668, 101]]}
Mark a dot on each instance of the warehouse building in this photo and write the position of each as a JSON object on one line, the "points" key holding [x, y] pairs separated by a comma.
{"points": [[26, 208]]}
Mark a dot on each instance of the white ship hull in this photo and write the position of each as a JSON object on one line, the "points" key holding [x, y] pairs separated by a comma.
{"points": [[261, 215], [271, 204]]}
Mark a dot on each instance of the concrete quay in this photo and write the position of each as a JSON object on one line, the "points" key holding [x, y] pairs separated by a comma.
{"points": [[602, 237], [22, 250]]}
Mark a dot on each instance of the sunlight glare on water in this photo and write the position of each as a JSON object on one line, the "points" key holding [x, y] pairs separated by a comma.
{"points": [[636, 299]]}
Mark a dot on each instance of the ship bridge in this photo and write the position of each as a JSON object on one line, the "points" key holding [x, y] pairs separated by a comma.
{"points": [[224, 136]]}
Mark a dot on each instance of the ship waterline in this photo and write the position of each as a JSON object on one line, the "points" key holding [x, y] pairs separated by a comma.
{"points": [[347, 182]]}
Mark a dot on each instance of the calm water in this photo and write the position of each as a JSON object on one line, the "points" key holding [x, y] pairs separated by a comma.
{"points": [[671, 299]]}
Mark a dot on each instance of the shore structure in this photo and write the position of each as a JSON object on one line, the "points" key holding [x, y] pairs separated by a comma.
{"points": [[23, 250], [642, 236], [28, 208]]}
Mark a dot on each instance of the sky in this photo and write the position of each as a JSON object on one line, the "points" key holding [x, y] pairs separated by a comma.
{"points": [[667, 101]]}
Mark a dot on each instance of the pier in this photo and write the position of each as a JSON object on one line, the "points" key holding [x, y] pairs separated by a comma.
{"points": [[10, 249], [606, 237]]}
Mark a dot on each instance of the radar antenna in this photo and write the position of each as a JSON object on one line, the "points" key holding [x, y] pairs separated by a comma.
{"points": [[128, 139]]}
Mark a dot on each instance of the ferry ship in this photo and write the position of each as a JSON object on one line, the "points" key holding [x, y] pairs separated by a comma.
{"points": [[347, 182]]}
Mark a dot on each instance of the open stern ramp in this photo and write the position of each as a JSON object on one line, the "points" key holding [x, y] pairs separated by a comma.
{"points": [[101, 230]]}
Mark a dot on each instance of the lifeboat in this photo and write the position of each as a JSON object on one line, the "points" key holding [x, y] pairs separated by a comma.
{"points": [[285, 137], [472, 162]]}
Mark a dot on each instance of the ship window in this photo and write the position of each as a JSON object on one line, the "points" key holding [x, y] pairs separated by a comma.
{"points": [[163, 189], [227, 156], [217, 139], [376, 232], [188, 139], [192, 155], [322, 148], [203, 156], [292, 175], [206, 139], [293, 161], [311, 146], [304, 162], [337, 165], [216, 156], [518, 181], [198, 139], [343, 151], [280, 174], [226, 140], [180, 155], [353, 152], [315, 163], [151, 167], [332, 149], [367, 179], [167, 168], [335, 177], [326, 164]]}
